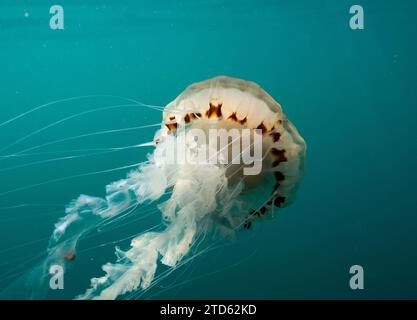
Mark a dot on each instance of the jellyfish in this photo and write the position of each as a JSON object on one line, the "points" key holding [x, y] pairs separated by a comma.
{"points": [[197, 198]]}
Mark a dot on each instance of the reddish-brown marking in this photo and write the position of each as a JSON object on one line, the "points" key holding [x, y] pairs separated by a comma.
{"points": [[171, 126], [280, 156], [247, 225], [214, 111], [275, 136], [279, 201], [191, 116], [258, 213], [243, 121], [277, 152], [233, 117], [275, 163], [262, 127], [279, 176]]}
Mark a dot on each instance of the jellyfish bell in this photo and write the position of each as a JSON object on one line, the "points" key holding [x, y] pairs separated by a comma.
{"points": [[230, 103], [226, 103], [195, 198]]}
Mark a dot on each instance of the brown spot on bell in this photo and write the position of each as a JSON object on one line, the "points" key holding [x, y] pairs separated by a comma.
{"points": [[275, 136], [279, 201], [262, 127], [187, 118], [215, 110], [279, 156], [243, 121], [279, 176], [171, 126], [233, 117], [247, 225]]}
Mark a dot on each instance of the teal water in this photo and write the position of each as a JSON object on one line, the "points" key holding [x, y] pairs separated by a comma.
{"points": [[352, 95]]}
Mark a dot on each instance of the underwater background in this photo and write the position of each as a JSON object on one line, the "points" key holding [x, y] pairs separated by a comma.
{"points": [[351, 93]]}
